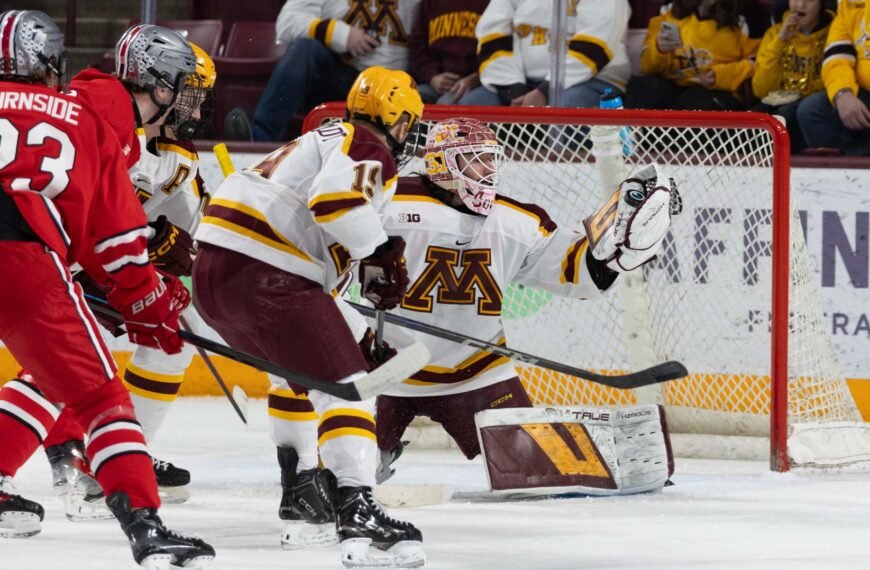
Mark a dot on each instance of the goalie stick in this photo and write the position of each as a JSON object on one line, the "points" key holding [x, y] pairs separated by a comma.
{"points": [[393, 371], [670, 370]]}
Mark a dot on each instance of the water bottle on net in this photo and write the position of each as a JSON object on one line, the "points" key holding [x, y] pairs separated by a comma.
{"points": [[611, 99]]}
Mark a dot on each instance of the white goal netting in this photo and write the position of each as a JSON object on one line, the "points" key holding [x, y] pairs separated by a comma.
{"points": [[706, 301]]}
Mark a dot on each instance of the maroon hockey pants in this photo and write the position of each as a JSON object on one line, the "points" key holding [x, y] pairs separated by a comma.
{"points": [[47, 326]]}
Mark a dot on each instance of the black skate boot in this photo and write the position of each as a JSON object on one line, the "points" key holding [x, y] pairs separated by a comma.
{"points": [[154, 546], [369, 538], [83, 497], [306, 504], [172, 481], [19, 517]]}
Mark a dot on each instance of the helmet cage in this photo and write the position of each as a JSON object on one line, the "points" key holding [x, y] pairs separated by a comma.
{"points": [[193, 97], [476, 192]]}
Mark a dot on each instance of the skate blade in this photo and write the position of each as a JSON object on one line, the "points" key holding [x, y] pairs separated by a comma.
{"points": [[197, 562], [19, 524], [174, 495], [78, 509], [359, 553], [164, 561], [301, 535]]}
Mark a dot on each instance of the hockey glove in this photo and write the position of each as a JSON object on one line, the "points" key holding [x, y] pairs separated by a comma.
{"points": [[383, 274], [115, 326], [171, 248], [373, 356], [628, 230], [151, 318]]}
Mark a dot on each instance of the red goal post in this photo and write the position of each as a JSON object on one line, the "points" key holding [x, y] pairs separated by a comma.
{"points": [[536, 138]]}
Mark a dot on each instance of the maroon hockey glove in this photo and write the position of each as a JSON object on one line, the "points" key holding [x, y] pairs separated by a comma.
{"points": [[373, 356], [151, 317], [171, 249], [383, 274]]}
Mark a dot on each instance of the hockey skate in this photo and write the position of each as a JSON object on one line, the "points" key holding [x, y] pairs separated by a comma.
{"points": [[371, 539], [306, 504], [19, 518], [172, 481], [155, 547], [83, 499]]}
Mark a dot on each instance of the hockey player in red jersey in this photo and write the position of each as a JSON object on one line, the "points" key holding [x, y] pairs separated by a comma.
{"points": [[466, 245], [154, 68], [66, 198], [275, 241]]}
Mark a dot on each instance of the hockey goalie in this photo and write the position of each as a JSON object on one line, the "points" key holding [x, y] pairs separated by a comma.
{"points": [[465, 243]]}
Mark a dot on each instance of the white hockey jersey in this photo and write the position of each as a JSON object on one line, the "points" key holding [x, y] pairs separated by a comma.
{"points": [[311, 207], [514, 42], [329, 21], [459, 265], [168, 183]]}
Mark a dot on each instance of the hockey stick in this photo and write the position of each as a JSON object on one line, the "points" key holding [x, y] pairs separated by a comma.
{"points": [[670, 370], [393, 371], [211, 367]]}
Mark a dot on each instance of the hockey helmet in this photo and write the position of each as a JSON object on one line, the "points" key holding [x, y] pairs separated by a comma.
{"points": [[463, 155], [31, 46], [383, 96], [149, 57], [197, 95]]}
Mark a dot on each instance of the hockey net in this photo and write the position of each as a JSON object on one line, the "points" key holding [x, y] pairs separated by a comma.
{"points": [[732, 295]]}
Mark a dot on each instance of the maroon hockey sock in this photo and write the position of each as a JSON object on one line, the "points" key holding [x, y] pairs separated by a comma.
{"points": [[26, 417], [116, 446], [66, 429]]}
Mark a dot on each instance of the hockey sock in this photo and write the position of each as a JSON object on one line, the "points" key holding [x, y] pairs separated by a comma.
{"points": [[116, 446], [346, 436], [293, 423], [66, 429], [152, 394], [26, 417]]}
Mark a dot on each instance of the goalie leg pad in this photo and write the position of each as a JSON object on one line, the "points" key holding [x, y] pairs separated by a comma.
{"points": [[593, 451]]}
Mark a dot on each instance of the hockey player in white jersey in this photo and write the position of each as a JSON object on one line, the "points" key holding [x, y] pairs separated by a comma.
{"points": [[277, 239], [465, 244]]}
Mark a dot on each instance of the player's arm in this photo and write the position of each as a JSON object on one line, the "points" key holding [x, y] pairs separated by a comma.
{"points": [[304, 19], [600, 25], [499, 62]]}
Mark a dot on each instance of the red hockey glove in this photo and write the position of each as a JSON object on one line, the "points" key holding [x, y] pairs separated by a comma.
{"points": [[373, 356], [151, 319], [383, 274], [171, 249]]}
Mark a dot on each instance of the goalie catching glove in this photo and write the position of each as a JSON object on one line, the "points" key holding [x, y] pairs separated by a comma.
{"points": [[629, 229], [151, 318], [383, 275], [171, 248]]}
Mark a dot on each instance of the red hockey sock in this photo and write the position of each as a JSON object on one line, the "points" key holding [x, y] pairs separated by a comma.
{"points": [[116, 446], [26, 417], [66, 429]]}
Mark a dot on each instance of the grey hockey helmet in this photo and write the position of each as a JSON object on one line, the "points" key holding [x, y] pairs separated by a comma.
{"points": [[31, 47], [149, 57]]}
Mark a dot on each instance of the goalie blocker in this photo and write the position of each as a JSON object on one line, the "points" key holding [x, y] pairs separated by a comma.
{"points": [[591, 451]]}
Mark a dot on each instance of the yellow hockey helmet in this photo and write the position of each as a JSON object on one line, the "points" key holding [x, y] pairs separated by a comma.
{"points": [[194, 108], [206, 72], [381, 96]]}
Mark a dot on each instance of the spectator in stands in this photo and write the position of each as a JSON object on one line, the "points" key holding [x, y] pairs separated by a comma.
{"points": [[444, 49], [789, 63], [839, 117], [696, 56], [329, 43], [514, 53]]}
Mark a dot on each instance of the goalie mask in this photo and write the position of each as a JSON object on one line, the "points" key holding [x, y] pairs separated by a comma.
{"points": [[32, 48], [463, 156]]}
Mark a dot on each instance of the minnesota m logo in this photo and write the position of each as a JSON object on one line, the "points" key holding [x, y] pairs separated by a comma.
{"points": [[381, 18], [474, 277]]}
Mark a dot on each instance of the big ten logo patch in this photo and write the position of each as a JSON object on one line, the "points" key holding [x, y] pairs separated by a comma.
{"points": [[409, 218], [475, 283], [379, 18], [540, 36]]}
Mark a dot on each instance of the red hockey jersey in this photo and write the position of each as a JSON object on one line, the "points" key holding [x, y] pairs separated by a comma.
{"points": [[63, 168]]}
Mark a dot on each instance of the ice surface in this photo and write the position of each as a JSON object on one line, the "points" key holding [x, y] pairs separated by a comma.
{"points": [[720, 514]]}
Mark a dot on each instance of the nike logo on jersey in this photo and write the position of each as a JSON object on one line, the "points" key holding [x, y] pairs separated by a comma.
{"points": [[460, 243]]}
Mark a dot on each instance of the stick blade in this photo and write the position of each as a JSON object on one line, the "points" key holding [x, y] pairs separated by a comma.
{"points": [[241, 398], [397, 369], [670, 370]]}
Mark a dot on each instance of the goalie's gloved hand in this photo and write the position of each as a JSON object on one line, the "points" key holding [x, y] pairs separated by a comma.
{"points": [[373, 356], [383, 275], [632, 235], [171, 249]]}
